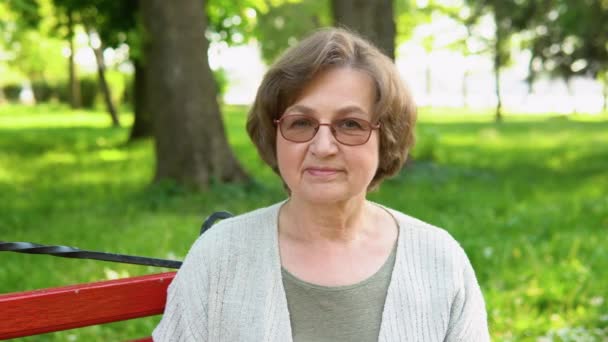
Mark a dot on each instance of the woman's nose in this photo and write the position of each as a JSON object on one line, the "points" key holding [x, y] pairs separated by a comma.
{"points": [[324, 142]]}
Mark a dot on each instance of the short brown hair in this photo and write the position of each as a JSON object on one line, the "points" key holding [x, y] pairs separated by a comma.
{"points": [[327, 48]]}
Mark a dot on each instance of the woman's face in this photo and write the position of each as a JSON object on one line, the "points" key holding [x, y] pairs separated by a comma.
{"points": [[324, 170]]}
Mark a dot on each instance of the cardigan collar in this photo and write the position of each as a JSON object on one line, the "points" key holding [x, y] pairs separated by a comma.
{"points": [[389, 313]]}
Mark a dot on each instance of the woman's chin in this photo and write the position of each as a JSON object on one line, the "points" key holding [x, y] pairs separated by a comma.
{"points": [[323, 195]]}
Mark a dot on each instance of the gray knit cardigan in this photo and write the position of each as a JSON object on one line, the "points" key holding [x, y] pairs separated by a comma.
{"points": [[230, 288]]}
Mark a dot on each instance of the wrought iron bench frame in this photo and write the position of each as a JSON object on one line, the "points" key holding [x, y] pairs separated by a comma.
{"points": [[75, 306]]}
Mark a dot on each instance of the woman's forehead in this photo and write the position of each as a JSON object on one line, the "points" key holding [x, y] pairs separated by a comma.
{"points": [[341, 90]]}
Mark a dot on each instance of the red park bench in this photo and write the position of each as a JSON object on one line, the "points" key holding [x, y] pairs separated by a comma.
{"points": [[68, 307], [61, 308]]}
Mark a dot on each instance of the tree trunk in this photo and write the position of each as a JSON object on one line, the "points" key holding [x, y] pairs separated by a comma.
{"points": [[497, 65], [428, 79], [570, 88], [75, 96], [605, 93], [374, 20], [530, 78], [103, 84], [142, 123], [190, 142], [465, 87], [32, 77]]}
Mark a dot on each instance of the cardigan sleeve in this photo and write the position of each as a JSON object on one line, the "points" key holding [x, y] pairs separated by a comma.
{"points": [[468, 318], [185, 316]]}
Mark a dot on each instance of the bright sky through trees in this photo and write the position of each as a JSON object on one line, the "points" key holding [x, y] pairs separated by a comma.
{"points": [[245, 70]]}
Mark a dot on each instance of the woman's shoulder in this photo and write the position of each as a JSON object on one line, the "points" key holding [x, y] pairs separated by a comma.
{"points": [[254, 229], [420, 233], [412, 223], [258, 220]]}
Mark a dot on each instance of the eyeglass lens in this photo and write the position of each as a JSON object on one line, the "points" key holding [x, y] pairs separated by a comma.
{"points": [[302, 128]]}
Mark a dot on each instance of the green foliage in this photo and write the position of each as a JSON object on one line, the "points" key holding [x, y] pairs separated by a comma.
{"points": [[89, 91], [407, 16], [221, 80], [117, 81], [566, 37], [285, 22], [58, 91], [38, 57], [11, 92], [509, 18], [31, 50], [43, 92], [526, 199], [128, 96], [570, 38], [276, 29], [275, 24], [232, 21], [114, 21], [89, 88], [474, 42], [17, 15]]}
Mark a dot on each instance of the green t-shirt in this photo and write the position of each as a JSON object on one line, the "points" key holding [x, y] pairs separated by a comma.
{"points": [[342, 313]]}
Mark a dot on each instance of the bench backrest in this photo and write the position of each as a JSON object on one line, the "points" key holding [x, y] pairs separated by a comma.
{"points": [[48, 310]]}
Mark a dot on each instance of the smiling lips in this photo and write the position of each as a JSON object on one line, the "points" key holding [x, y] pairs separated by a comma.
{"points": [[322, 171]]}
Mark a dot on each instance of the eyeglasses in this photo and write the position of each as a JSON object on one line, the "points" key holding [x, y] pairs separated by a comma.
{"points": [[347, 131]]}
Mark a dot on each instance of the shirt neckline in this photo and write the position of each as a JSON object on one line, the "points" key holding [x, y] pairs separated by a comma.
{"points": [[390, 260], [277, 252]]}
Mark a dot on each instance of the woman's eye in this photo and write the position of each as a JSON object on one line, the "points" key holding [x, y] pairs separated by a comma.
{"points": [[301, 123], [350, 124]]}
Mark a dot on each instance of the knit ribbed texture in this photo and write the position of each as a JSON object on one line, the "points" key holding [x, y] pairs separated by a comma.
{"points": [[230, 287]]}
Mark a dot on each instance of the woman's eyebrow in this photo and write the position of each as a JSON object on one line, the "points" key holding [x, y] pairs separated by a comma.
{"points": [[352, 110], [300, 108], [347, 110]]}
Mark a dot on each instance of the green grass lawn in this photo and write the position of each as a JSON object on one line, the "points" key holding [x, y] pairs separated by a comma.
{"points": [[527, 199]]}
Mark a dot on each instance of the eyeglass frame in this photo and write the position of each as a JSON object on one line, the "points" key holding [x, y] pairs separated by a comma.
{"points": [[333, 130]]}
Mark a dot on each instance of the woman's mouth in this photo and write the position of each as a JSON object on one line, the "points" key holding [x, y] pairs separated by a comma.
{"points": [[321, 171]]}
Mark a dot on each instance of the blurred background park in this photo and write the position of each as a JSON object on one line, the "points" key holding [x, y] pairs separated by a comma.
{"points": [[122, 128]]}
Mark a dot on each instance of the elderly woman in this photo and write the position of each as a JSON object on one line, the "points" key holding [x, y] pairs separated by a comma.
{"points": [[333, 119]]}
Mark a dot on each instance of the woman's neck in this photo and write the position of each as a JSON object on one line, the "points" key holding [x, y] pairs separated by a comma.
{"points": [[339, 222]]}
